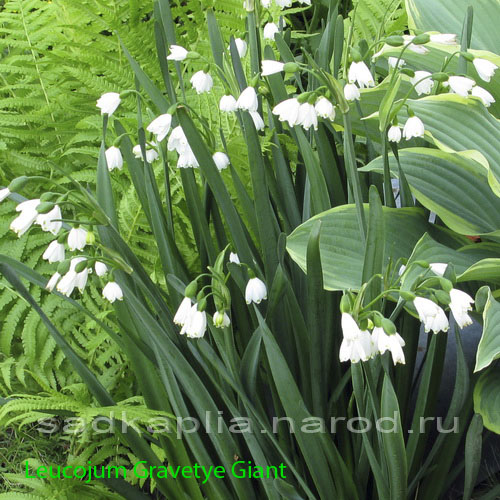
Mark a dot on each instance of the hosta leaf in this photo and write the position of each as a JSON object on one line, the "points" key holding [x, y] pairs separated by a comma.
{"points": [[341, 250], [452, 185], [458, 124], [489, 346], [487, 398], [448, 17]]}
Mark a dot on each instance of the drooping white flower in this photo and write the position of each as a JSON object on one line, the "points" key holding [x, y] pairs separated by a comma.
{"points": [[402, 269], [221, 319], [484, 95], [195, 324], [257, 120], [183, 311], [241, 47], [307, 116], [424, 86], [444, 38], [270, 67], [392, 343], [51, 221], [283, 3], [112, 292], [233, 257], [221, 160], [418, 49], [414, 127], [52, 282], [77, 238], [227, 104], [177, 140], [394, 133], [67, 283], [485, 69], [114, 158], [82, 276], [54, 252], [187, 159], [255, 291], [151, 154], [357, 344], [4, 193], [288, 111], [460, 304], [265, 3], [431, 315], [202, 82], [270, 29], [438, 268], [177, 53], [247, 101], [351, 92], [325, 109], [392, 61], [160, 126], [26, 218], [100, 268], [359, 72], [108, 103], [461, 85]]}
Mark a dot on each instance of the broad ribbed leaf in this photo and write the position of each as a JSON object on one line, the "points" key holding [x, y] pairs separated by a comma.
{"points": [[459, 124], [487, 398], [448, 16], [450, 184], [489, 346], [342, 252]]}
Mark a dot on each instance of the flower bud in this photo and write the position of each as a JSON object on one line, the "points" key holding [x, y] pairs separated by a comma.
{"points": [[47, 197], [388, 326], [202, 303], [18, 183], [44, 207], [192, 55], [191, 289], [408, 72], [291, 67], [442, 296], [81, 266], [63, 267], [346, 303], [421, 39], [407, 295], [467, 56], [90, 238], [356, 55], [446, 284], [377, 319], [395, 41], [440, 77]]}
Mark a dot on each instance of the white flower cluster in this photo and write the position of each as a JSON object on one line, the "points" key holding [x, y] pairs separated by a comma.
{"points": [[361, 345], [247, 101], [192, 318], [306, 113]]}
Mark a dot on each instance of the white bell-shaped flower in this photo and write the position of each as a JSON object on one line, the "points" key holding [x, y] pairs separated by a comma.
{"points": [[54, 252], [221, 319], [108, 103], [460, 304], [414, 127], [423, 86], [270, 67], [255, 291], [112, 292], [221, 160], [227, 104], [288, 111], [177, 53], [325, 109], [77, 238], [484, 95], [485, 69], [431, 315], [351, 92], [270, 29], [359, 72], [247, 101], [202, 82], [114, 158], [160, 126]]}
